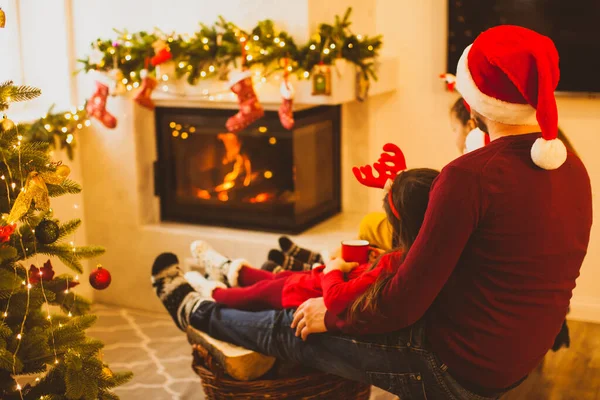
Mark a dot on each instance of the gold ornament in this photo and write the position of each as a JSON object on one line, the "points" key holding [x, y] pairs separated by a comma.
{"points": [[7, 124], [35, 189], [2, 18]]}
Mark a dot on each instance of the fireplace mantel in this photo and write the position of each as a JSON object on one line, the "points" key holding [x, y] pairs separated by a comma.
{"points": [[216, 94]]}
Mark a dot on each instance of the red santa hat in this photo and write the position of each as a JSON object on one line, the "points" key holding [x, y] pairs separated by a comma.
{"points": [[509, 75]]}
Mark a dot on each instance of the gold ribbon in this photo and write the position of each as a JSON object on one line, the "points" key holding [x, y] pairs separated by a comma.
{"points": [[35, 190]]}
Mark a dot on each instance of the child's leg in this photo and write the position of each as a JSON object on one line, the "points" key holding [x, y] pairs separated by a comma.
{"points": [[263, 295], [250, 276]]}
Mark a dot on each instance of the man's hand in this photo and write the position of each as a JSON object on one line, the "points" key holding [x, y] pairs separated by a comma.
{"points": [[340, 264], [310, 318]]}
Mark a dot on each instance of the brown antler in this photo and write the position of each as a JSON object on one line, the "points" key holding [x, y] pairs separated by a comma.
{"points": [[387, 167]]}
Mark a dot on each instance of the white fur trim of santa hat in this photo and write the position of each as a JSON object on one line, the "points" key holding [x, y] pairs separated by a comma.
{"points": [[233, 273], [548, 154], [494, 109], [474, 140]]}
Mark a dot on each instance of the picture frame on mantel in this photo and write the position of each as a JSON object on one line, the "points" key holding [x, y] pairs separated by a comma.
{"points": [[321, 79]]}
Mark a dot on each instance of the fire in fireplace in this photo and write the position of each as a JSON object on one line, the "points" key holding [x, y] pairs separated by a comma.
{"points": [[263, 178]]}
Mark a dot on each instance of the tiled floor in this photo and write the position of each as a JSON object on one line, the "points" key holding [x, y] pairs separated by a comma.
{"points": [[156, 351]]}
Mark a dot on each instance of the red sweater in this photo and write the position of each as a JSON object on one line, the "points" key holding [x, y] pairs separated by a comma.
{"points": [[337, 292], [494, 264]]}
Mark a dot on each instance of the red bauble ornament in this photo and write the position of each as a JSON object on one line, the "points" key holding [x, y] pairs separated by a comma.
{"points": [[100, 278]]}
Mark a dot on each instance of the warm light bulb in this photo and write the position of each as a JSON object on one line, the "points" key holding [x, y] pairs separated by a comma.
{"points": [[76, 277], [282, 44], [19, 336], [87, 122], [132, 74], [136, 84], [165, 88], [69, 314], [129, 87], [48, 317], [306, 74], [18, 387], [124, 80], [332, 46], [255, 37], [79, 126], [370, 48], [76, 117], [325, 51], [181, 64], [127, 57], [2, 177], [29, 286], [242, 39], [165, 78], [184, 135], [277, 40], [359, 37], [313, 47], [5, 314], [203, 74], [111, 50], [268, 174], [64, 129], [272, 140], [211, 68], [249, 57], [192, 129], [350, 45], [205, 40], [69, 138]]}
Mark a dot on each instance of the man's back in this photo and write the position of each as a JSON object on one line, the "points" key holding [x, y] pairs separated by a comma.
{"points": [[505, 301]]}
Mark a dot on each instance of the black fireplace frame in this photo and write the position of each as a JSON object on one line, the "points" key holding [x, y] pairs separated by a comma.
{"points": [[172, 211]]}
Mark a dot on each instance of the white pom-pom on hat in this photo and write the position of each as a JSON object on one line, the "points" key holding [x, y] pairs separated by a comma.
{"points": [[548, 154]]}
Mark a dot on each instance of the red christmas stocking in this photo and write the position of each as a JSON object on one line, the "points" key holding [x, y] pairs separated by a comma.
{"points": [[96, 106], [250, 108], [286, 116], [143, 97]]}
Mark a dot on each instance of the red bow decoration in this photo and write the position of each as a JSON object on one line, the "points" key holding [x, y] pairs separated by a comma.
{"points": [[46, 273], [450, 81], [387, 167]]}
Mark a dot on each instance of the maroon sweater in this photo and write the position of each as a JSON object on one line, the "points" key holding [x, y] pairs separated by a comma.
{"points": [[494, 265]]}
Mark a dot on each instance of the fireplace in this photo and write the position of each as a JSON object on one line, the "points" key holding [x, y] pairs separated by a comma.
{"points": [[263, 178]]}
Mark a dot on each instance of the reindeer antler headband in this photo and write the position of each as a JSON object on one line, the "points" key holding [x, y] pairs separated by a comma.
{"points": [[388, 166]]}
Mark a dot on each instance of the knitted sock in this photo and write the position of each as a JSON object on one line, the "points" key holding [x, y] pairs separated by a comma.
{"points": [[176, 294], [203, 285], [216, 266], [269, 266], [304, 255], [286, 262]]}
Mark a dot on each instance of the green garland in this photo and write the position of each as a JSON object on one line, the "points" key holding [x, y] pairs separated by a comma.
{"points": [[56, 129], [213, 50]]}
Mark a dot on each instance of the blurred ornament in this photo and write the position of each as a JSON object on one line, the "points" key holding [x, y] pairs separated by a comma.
{"points": [[2, 18], [47, 232], [118, 86], [7, 124], [162, 53], [321, 76], [100, 278], [362, 85], [5, 232]]}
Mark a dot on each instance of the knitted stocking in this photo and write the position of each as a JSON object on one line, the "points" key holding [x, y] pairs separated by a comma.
{"points": [[286, 116], [250, 108], [96, 107], [143, 97]]}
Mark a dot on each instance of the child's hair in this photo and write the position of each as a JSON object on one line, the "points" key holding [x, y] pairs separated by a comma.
{"points": [[410, 195], [460, 111]]}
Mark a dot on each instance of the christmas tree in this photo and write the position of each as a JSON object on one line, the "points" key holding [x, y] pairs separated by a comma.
{"points": [[44, 351]]}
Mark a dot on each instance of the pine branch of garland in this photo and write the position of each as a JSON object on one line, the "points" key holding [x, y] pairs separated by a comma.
{"points": [[213, 50]]}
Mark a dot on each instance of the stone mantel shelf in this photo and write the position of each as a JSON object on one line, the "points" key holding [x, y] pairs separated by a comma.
{"points": [[343, 84]]}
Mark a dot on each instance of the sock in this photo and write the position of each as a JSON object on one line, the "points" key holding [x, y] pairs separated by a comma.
{"points": [[304, 255], [176, 294], [286, 262], [269, 266]]}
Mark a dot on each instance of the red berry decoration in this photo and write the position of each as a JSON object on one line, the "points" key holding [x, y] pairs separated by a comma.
{"points": [[100, 278]]}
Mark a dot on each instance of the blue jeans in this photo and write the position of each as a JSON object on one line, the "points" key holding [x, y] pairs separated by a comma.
{"points": [[399, 362]]}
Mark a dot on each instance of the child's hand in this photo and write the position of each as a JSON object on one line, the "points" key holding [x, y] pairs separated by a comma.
{"points": [[339, 264], [335, 254], [374, 254]]}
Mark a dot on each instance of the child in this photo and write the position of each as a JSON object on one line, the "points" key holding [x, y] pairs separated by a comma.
{"points": [[259, 290]]}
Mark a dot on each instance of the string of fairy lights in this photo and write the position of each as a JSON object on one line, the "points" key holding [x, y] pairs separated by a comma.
{"points": [[11, 185]]}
